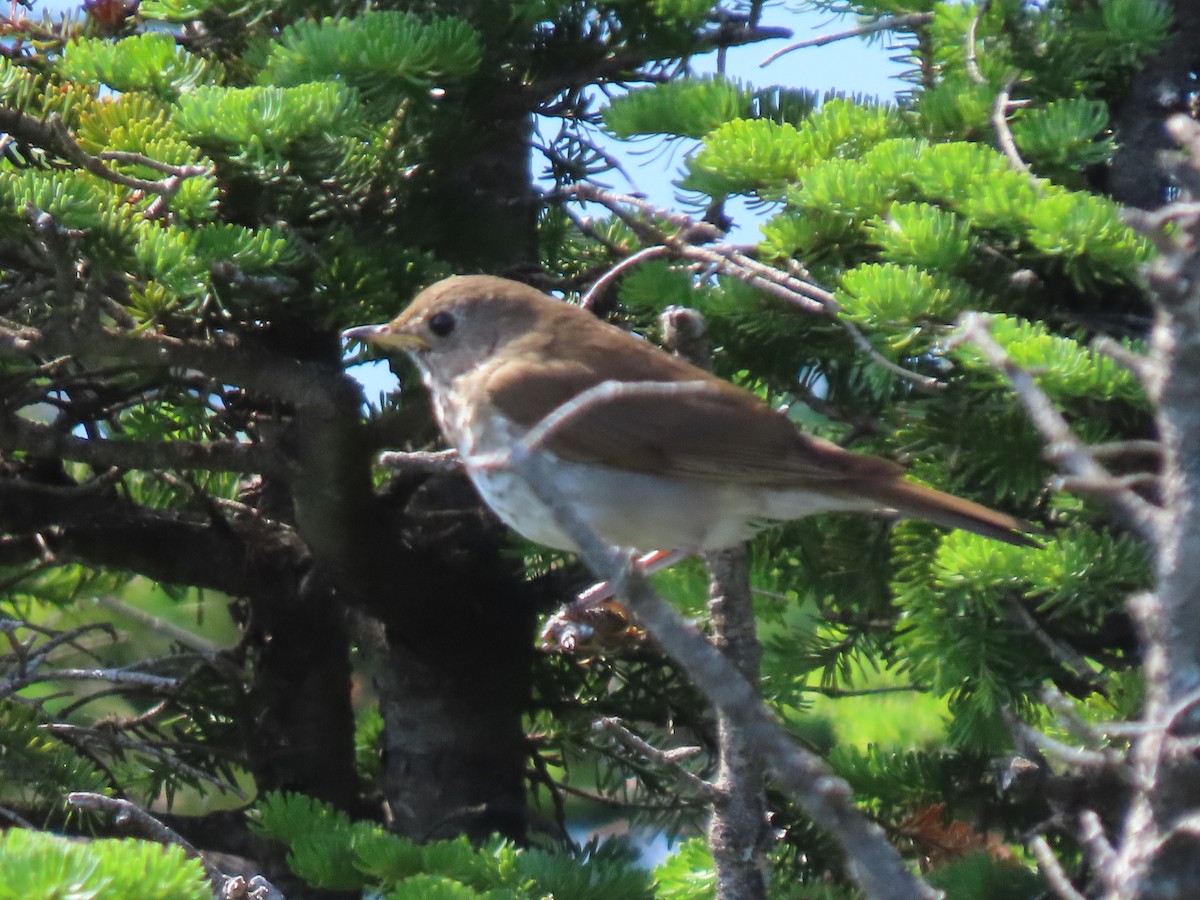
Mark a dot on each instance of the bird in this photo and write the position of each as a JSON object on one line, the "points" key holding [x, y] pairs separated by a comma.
{"points": [[652, 452]]}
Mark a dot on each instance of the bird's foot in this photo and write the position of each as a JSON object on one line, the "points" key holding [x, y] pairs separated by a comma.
{"points": [[595, 620]]}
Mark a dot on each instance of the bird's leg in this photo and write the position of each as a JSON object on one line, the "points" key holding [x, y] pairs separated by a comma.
{"points": [[647, 563]]}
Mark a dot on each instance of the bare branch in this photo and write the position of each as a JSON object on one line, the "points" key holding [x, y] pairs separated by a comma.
{"points": [[128, 677], [1064, 752], [1004, 136], [1137, 363], [1052, 870], [1100, 850], [668, 759], [972, 60], [601, 284], [16, 819], [700, 242], [322, 390], [860, 341], [1063, 446], [1066, 655], [892, 23], [739, 811], [169, 630], [130, 815], [1126, 448], [439, 462]]}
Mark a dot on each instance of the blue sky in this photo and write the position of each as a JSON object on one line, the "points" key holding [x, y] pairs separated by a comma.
{"points": [[852, 66]]}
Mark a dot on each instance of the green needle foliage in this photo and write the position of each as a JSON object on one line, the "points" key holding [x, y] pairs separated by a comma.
{"points": [[330, 851], [34, 864]]}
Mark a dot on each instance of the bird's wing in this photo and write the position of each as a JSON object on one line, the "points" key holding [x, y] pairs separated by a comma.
{"points": [[720, 432]]}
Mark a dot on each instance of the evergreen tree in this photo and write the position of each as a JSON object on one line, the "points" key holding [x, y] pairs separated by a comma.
{"points": [[197, 196]]}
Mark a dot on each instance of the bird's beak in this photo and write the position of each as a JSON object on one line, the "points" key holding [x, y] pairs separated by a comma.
{"points": [[385, 337]]}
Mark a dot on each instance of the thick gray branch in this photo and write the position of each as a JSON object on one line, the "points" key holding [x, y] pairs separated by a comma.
{"points": [[872, 862]]}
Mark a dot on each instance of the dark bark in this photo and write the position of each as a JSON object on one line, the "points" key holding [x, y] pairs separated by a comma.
{"points": [[1160, 89], [459, 622], [475, 207], [427, 560], [458, 618], [94, 525]]}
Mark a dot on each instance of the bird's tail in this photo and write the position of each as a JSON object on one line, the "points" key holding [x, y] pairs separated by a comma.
{"points": [[912, 499]]}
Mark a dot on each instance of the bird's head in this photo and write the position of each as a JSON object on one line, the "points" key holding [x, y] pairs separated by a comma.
{"points": [[458, 323]]}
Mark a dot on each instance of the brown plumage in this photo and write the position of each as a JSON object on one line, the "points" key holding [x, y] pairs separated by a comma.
{"points": [[702, 465]]}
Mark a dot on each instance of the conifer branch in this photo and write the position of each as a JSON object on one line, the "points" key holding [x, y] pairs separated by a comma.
{"points": [[667, 759], [51, 135], [323, 391], [127, 814], [209, 456], [701, 242]]}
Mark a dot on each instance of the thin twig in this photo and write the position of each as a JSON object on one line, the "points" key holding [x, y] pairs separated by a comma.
{"points": [[1052, 870], [169, 630], [1062, 445], [1066, 655], [667, 759], [140, 159], [892, 23], [127, 814], [53, 136], [972, 60], [114, 676], [83, 736], [438, 462], [1133, 447], [16, 819], [212, 456], [1078, 757], [927, 382], [1004, 135], [698, 241], [1142, 366], [601, 284]]}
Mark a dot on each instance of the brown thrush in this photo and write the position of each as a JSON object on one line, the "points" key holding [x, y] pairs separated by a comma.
{"points": [[676, 458]]}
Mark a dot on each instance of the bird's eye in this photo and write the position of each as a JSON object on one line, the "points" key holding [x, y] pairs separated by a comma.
{"points": [[441, 324]]}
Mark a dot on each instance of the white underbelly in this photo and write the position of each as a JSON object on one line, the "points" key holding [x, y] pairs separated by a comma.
{"points": [[644, 512]]}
